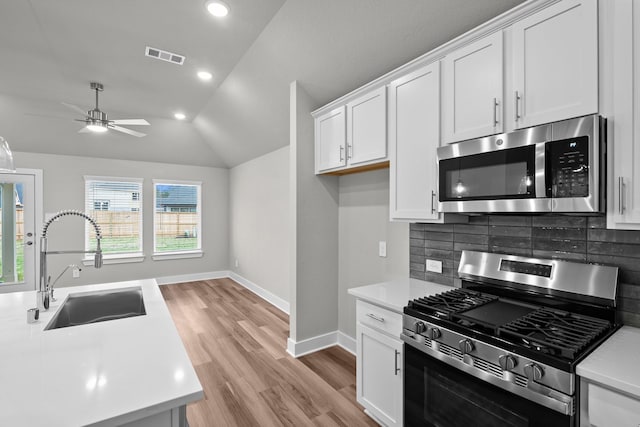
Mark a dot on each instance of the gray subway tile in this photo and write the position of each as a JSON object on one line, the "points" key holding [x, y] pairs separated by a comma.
{"points": [[567, 256], [470, 229], [622, 249], [503, 230], [508, 220], [436, 235], [559, 233], [509, 242], [568, 221], [615, 236], [480, 239]]}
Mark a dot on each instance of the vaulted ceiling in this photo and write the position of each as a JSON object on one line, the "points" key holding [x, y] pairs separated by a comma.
{"points": [[52, 50]]}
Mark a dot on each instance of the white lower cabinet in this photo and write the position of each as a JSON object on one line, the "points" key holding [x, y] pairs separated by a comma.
{"points": [[379, 366], [603, 407]]}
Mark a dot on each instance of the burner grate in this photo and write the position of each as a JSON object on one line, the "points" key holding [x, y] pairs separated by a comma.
{"points": [[555, 332], [445, 304]]}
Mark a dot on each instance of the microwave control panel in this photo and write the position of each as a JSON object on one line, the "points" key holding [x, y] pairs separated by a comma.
{"points": [[568, 161]]}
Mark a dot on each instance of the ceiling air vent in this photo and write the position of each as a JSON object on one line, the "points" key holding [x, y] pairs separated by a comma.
{"points": [[163, 55]]}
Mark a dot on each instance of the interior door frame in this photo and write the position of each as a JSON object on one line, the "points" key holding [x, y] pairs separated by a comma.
{"points": [[38, 210]]}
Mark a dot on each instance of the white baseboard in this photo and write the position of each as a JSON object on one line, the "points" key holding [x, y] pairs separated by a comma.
{"points": [[261, 292], [168, 280], [346, 342], [311, 345], [320, 342]]}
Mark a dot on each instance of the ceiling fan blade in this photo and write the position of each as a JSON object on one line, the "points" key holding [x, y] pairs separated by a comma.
{"points": [[75, 108], [128, 131], [130, 122]]}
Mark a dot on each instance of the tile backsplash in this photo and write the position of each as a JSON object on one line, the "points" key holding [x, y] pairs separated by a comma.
{"points": [[573, 238]]}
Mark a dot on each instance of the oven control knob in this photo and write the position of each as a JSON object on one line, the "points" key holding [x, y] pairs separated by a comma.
{"points": [[533, 372], [507, 362], [434, 333], [419, 327], [466, 346]]}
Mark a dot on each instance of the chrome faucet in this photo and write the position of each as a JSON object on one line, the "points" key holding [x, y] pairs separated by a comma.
{"points": [[45, 292]]}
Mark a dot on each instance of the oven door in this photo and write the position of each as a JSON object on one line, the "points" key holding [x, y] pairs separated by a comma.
{"points": [[437, 394]]}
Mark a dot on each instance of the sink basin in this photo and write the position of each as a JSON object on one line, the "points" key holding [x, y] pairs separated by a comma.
{"points": [[98, 306]]}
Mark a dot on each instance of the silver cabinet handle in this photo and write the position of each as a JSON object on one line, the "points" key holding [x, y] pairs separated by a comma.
{"points": [[396, 363], [495, 112], [341, 153], [517, 106], [621, 205], [433, 195], [374, 317], [349, 151]]}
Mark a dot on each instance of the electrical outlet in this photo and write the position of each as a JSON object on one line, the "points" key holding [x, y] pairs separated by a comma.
{"points": [[75, 272], [237, 263], [382, 248], [434, 266]]}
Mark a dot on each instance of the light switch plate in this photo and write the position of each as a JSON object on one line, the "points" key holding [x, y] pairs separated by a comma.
{"points": [[382, 248], [434, 266]]}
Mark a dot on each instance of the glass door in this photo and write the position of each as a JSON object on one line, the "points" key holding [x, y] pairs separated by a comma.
{"points": [[18, 239]]}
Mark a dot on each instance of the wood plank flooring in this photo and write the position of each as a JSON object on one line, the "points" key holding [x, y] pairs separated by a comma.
{"points": [[237, 344]]}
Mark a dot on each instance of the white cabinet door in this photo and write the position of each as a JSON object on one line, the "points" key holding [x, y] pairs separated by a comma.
{"points": [[367, 128], [330, 140], [414, 135], [623, 122], [555, 63], [379, 375], [472, 83]]}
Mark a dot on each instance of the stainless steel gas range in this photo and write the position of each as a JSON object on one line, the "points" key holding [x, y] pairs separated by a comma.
{"points": [[502, 349]]}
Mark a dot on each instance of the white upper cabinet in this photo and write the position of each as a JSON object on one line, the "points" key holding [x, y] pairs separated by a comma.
{"points": [[414, 135], [352, 135], [472, 90], [621, 86], [331, 137], [555, 63], [367, 128]]}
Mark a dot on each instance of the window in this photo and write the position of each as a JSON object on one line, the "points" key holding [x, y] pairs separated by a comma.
{"points": [[177, 218], [116, 205]]}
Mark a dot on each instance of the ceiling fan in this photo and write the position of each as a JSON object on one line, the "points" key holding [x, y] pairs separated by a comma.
{"points": [[96, 120]]}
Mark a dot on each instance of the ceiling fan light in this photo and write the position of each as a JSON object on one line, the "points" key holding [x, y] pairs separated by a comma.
{"points": [[217, 8], [97, 127], [180, 116], [6, 157]]}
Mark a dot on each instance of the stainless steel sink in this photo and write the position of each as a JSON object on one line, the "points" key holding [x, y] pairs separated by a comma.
{"points": [[98, 306]]}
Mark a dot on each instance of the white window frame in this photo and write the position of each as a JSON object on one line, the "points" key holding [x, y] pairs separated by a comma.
{"points": [[123, 257], [190, 253]]}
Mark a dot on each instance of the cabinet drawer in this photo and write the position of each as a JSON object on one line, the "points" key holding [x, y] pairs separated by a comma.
{"points": [[608, 408], [379, 318]]}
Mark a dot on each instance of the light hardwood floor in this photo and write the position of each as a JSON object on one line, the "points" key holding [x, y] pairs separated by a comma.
{"points": [[236, 342]]}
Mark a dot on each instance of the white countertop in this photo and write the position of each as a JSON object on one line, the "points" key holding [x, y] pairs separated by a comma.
{"points": [[395, 294], [615, 362], [105, 373]]}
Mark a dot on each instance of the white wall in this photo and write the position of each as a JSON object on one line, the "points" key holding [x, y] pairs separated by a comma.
{"points": [[64, 189], [259, 221], [314, 231], [363, 222]]}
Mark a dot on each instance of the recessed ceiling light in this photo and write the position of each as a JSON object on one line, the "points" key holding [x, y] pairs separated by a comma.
{"points": [[217, 8], [205, 75], [179, 116]]}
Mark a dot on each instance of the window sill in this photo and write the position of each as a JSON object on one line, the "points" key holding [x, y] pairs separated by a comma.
{"points": [[117, 259], [159, 256]]}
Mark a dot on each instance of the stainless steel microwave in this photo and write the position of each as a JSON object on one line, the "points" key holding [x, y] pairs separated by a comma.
{"points": [[557, 167]]}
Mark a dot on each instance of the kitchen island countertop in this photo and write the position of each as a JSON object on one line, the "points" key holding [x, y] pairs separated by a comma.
{"points": [[105, 373], [395, 294]]}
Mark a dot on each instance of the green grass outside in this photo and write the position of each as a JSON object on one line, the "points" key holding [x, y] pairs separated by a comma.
{"points": [[19, 260], [130, 244]]}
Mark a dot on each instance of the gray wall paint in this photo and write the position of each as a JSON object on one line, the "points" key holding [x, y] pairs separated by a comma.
{"points": [[574, 238], [63, 178], [259, 221], [363, 222], [314, 248]]}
